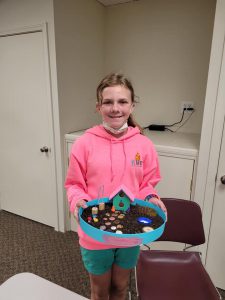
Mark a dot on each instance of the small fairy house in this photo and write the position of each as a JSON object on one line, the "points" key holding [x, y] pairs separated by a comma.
{"points": [[121, 198]]}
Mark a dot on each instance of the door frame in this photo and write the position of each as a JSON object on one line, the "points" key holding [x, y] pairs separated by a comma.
{"points": [[43, 29], [212, 126]]}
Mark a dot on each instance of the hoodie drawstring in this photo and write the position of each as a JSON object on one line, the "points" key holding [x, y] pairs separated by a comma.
{"points": [[112, 174], [125, 161]]}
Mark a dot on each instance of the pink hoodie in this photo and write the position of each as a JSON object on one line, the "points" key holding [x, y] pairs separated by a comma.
{"points": [[99, 159]]}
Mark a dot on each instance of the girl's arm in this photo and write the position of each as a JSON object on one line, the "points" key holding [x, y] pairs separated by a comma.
{"points": [[75, 182], [157, 201]]}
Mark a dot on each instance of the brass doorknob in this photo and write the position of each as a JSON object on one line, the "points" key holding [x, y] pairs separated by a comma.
{"points": [[222, 179]]}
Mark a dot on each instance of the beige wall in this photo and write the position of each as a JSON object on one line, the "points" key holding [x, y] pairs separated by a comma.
{"points": [[79, 31], [164, 47]]}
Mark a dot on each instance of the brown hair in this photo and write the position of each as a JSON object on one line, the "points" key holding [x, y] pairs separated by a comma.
{"points": [[114, 79]]}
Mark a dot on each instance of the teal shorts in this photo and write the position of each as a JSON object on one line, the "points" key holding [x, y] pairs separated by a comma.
{"points": [[98, 262]]}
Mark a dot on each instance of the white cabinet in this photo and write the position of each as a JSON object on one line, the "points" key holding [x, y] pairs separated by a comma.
{"points": [[178, 154], [177, 176], [177, 157]]}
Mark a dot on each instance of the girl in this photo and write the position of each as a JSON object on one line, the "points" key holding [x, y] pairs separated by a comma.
{"points": [[109, 155]]}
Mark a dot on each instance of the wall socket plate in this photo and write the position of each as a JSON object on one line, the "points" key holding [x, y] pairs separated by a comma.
{"points": [[187, 104]]}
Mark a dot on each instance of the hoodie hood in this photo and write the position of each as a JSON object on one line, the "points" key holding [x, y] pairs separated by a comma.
{"points": [[102, 133]]}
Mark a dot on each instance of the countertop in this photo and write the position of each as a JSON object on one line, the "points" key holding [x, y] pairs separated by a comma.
{"points": [[167, 143]]}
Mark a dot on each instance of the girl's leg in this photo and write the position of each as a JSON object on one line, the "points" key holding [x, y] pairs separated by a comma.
{"points": [[119, 283], [100, 286]]}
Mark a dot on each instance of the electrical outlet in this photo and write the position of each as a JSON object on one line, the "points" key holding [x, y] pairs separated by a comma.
{"points": [[186, 105]]}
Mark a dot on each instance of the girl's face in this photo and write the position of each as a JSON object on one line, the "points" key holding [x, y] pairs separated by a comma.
{"points": [[116, 106]]}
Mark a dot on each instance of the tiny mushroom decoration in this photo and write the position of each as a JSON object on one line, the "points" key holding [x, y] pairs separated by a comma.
{"points": [[122, 198]]}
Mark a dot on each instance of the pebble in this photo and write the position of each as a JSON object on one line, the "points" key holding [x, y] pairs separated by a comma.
{"points": [[119, 226], [147, 229], [113, 227], [103, 227], [119, 232]]}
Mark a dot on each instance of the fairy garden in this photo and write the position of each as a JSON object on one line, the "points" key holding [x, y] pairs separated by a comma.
{"points": [[120, 216]]}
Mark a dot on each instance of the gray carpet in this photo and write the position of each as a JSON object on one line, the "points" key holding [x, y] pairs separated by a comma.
{"points": [[28, 246]]}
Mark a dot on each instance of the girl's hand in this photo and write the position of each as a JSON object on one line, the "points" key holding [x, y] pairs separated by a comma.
{"points": [[159, 203], [81, 203]]}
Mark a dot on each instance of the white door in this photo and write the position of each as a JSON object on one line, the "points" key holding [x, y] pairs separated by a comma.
{"points": [[27, 175], [215, 259]]}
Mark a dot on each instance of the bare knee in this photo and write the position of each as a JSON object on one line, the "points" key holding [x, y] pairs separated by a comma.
{"points": [[119, 289], [99, 295], [119, 283]]}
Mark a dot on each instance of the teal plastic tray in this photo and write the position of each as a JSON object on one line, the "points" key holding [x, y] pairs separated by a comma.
{"points": [[126, 240]]}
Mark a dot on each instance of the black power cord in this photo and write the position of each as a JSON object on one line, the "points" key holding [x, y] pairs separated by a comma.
{"points": [[192, 111], [158, 127], [171, 125]]}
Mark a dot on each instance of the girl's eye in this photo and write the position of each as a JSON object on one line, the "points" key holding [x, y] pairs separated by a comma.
{"points": [[106, 102]]}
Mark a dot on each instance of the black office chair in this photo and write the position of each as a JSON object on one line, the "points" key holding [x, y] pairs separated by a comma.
{"points": [[176, 275]]}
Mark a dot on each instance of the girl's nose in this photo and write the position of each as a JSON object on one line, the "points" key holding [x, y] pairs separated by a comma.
{"points": [[115, 106]]}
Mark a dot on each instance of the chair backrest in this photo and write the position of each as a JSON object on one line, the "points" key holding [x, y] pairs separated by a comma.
{"points": [[184, 222]]}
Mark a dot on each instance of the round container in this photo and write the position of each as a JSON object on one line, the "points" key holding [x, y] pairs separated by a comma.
{"points": [[127, 240]]}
